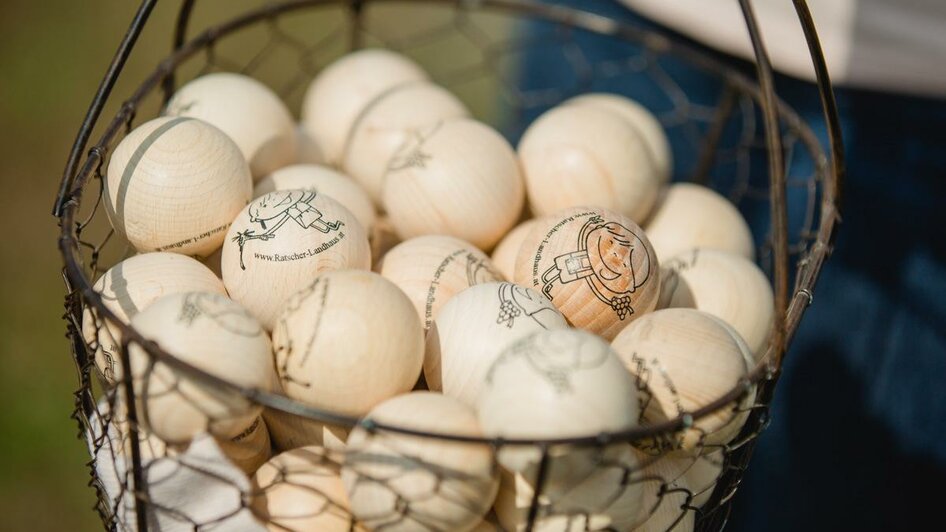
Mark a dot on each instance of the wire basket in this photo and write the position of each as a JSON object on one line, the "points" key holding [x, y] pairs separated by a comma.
{"points": [[751, 146]]}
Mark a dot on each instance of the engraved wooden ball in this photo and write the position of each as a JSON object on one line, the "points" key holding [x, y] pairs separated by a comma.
{"points": [[505, 253], [281, 241], [432, 269], [584, 155], [389, 122], [246, 110], [323, 180], [596, 266], [344, 88], [693, 216], [642, 120], [175, 184], [404, 483], [301, 490], [348, 341], [665, 493], [474, 327], [210, 332], [459, 178], [128, 288], [551, 384], [683, 360], [728, 286]]}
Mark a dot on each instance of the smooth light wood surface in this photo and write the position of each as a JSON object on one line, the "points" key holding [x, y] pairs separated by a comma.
{"points": [[584, 155], [382, 238], [459, 178], [281, 241], [728, 286], [323, 180], [505, 253], [692, 216], [406, 483], [249, 449], [684, 359], [432, 269], [388, 123], [642, 120], [301, 490], [665, 492], [474, 327], [551, 384], [175, 184], [348, 341], [216, 335], [128, 288], [596, 266], [344, 88], [246, 110], [308, 150]]}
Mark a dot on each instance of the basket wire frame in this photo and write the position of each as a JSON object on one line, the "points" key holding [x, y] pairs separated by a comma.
{"points": [[745, 128]]}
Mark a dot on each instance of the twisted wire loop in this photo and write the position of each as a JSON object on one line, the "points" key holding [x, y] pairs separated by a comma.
{"points": [[481, 50]]}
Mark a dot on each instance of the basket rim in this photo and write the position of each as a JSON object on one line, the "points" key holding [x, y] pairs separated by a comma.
{"points": [[764, 373]]}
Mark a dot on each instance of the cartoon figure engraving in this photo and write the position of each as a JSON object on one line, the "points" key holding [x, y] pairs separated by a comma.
{"points": [[216, 308], [410, 154], [555, 356], [273, 210], [516, 301], [605, 261]]}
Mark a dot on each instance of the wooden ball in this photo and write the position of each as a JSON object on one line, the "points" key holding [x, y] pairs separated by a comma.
{"points": [[584, 155], [642, 120], [432, 269], [128, 288], [596, 266], [505, 253], [281, 241], [383, 238], [347, 342], [701, 474], [388, 124], [666, 496], [175, 184], [683, 360], [692, 216], [288, 431], [403, 483], [249, 112], [553, 384], [308, 150], [474, 327], [323, 180], [301, 490], [344, 88], [215, 334], [459, 178], [611, 498], [249, 449], [728, 286]]}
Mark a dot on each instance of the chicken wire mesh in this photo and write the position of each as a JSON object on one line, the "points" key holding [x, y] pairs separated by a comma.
{"points": [[496, 56]]}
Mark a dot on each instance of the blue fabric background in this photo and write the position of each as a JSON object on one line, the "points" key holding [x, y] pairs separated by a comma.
{"points": [[858, 437]]}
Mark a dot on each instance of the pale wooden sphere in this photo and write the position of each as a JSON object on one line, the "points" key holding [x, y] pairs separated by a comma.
{"points": [[301, 490], [700, 474], [281, 241], [403, 483], [175, 184], [383, 238], [728, 286], [128, 288], [289, 432], [343, 89], [665, 494], [642, 120], [505, 253], [596, 266], [308, 150], [323, 180], [432, 269], [693, 216], [683, 360], [583, 155], [249, 449], [347, 342], [246, 110], [459, 178], [553, 384], [474, 327], [611, 498], [388, 125], [212, 333]]}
